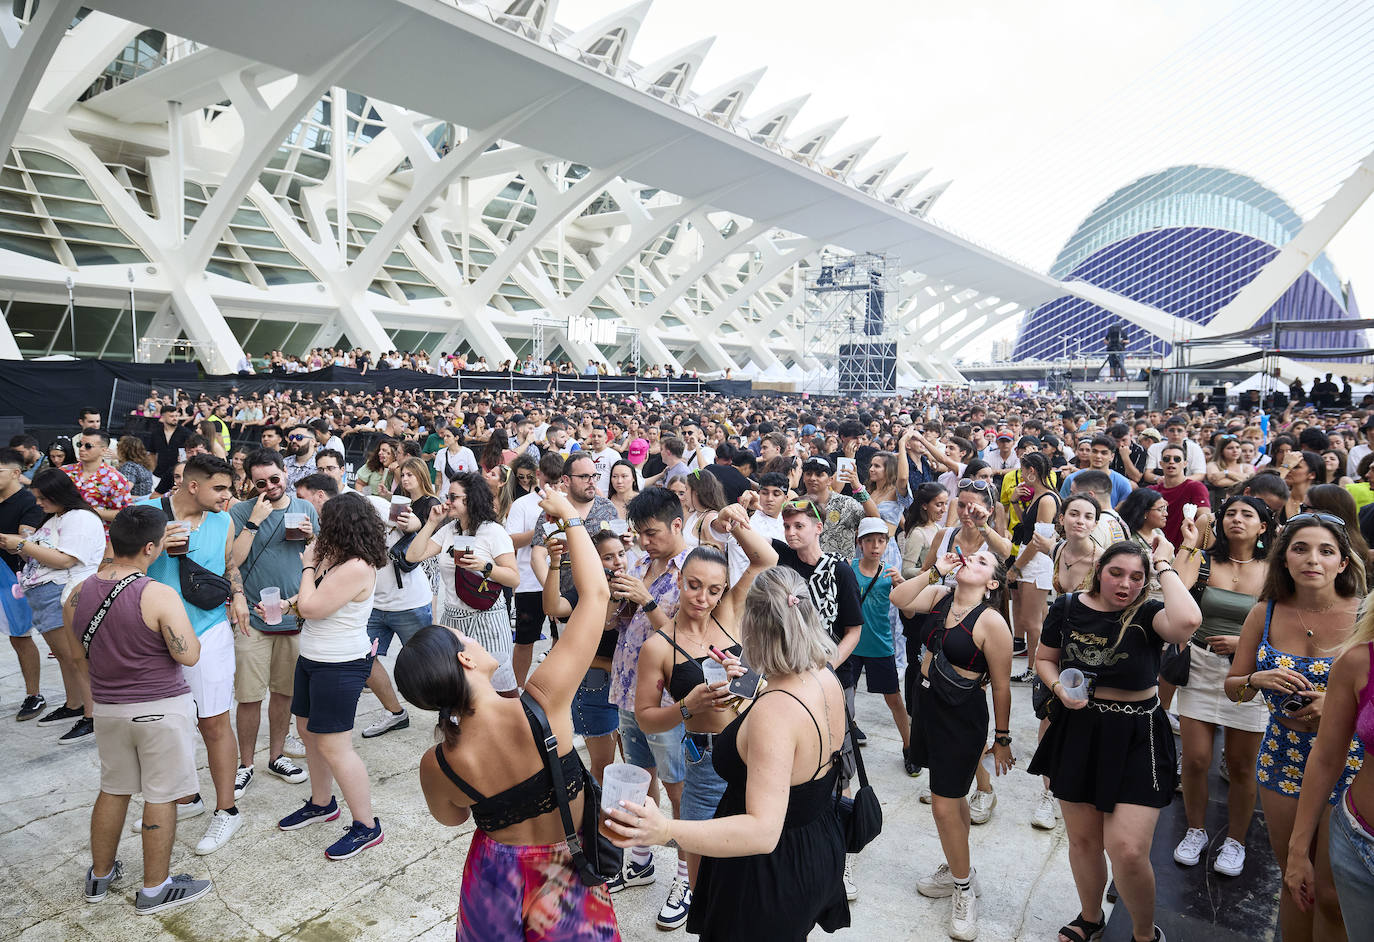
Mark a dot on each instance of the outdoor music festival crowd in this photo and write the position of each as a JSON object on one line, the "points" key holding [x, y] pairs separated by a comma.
{"points": [[716, 574]]}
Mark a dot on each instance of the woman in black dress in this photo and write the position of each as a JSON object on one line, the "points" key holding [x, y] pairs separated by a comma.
{"points": [[773, 856], [1110, 757]]}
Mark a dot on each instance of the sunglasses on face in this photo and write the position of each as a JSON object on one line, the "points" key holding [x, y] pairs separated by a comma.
{"points": [[295, 438], [1170, 459], [264, 483], [454, 498], [805, 506], [85, 445]]}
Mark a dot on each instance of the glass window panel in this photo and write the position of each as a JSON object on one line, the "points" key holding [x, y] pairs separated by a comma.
{"points": [[408, 339], [62, 186], [35, 160], [227, 269], [38, 248], [413, 292], [15, 202], [272, 258], [257, 237], [16, 223], [378, 287], [70, 209], [12, 178], [92, 329], [120, 344], [241, 326], [248, 217], [75, 230], [88, 254], [285, 276], [272, 335]]}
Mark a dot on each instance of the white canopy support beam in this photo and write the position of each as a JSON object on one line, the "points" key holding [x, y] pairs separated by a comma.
{"points": [[24, 56]]}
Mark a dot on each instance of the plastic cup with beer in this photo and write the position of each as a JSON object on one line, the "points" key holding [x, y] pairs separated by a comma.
{"points": [[293, 523]]}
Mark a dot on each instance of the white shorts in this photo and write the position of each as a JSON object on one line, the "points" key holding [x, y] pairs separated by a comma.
{"points": [[212, 677], [1040, 572]]}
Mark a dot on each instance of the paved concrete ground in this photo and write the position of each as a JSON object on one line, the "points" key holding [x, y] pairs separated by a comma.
{"points": [[274, 885]]}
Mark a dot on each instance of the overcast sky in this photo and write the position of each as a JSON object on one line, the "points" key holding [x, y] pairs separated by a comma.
{"points": [[978, 91]]}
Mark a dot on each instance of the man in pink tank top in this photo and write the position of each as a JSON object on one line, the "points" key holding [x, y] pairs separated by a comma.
{"points": [[137, 637]]}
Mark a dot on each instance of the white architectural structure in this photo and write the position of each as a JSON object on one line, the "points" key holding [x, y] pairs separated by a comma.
{"points": [[435, 174]]}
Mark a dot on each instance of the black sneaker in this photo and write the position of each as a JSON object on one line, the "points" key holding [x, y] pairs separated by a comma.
{"points": [[81, 730], [1018, 647], [62, 714], [859, 736], [32, 707], [912, 768], [1024, 677]]}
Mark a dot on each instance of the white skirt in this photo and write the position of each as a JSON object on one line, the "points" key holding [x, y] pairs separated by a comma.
{"points": [[1205, 700]]}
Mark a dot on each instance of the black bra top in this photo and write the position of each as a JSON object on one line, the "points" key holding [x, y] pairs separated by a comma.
{"points": [[957, 640], [529, 799], [688, 675]]}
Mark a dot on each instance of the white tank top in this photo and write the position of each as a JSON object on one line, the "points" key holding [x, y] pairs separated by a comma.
{"points": [[339, 637]]}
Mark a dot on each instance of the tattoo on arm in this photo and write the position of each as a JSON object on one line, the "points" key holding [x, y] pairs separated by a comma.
{"points": [[232, 574], [175, 643], [150, 827]]}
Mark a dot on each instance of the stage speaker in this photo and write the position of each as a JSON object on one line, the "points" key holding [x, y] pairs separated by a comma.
{"points": [[874, 309], [866, 367]]}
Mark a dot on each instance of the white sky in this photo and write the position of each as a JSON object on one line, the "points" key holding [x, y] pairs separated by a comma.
{"points": [[982, 91]]}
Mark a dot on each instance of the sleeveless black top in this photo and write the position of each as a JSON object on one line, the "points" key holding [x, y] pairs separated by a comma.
{"points": [[956, 640], [687, 675], [528, 799]]}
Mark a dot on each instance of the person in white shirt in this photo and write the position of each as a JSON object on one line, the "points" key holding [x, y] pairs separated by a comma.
{"points": [[529, 604], [1352, 465], [766, 520], [1002, 455], [454, 457], [1175, 433], [603, 456]]}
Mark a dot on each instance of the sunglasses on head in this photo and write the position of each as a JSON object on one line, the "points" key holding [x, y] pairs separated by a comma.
{"points": [[1308, 516], [976, 484], [805, 506], [262, 483]]}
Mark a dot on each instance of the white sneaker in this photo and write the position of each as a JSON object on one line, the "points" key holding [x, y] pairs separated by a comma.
{"points": [[294, 748], [1231, 860], [1189, 850], [941, 883], [851, 889], [963, 915], [980, 805], [288, 771], [924, 794], [222, 827], [387, 723], [1046, 812], [1173, 721], [673, 915], [242, 779], [188, 810]]}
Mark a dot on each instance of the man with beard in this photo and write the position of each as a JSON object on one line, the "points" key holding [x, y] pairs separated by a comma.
{"points": [[201, 530], [165, 443], [579, 483], [265, 655], [300, 455]]}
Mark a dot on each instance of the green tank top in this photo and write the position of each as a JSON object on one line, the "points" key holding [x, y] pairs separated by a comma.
{"points": [[1223, 612]]}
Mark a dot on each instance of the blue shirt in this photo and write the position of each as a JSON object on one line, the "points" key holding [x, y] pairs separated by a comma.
{"points": [[876, 638], [207, 548], [1121, 486]]}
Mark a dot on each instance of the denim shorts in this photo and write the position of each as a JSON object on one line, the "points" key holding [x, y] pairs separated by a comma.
{"points": [[405, 624], [660, 751], [46, 602], [326, 694], [703, 788], [1352, 869], [593, 714]]}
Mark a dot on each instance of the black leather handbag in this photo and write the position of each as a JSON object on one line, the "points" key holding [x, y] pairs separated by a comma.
{"points": [[861, 817], [596, 860]]}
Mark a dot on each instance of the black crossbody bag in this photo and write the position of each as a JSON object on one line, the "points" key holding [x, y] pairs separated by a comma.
{"points": [[199, 586], [598, 860], [861, 817], [98, 618]]}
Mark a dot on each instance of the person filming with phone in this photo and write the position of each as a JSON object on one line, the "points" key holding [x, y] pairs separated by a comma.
{"points": [[519, 879], [1108, 751], [684, 660]]}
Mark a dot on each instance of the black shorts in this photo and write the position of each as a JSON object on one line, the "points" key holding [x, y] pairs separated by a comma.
{"points": [[529, 617], [326, 693], [1104, 758], [881, 672], [950, 741]]}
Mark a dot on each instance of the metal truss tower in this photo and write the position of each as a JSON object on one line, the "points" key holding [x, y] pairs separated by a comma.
{"points": [[847, 327]]}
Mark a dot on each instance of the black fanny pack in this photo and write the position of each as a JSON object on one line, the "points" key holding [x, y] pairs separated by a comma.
{"points": [[202, 588]]}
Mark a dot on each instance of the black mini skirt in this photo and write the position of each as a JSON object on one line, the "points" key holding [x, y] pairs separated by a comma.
{"points": [[1109, 753], [950, 741]]}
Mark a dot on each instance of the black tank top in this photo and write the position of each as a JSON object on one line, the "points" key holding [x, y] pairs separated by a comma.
{"points": [[957, 640], [687, 675], [521, 802]]}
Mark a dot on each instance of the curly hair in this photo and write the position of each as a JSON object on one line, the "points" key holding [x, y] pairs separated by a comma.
{"points": [[481, 505], [130, 448], [374, 459], [350, 529]]}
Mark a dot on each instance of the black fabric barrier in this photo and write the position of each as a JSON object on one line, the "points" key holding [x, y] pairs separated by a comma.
{"points": [[51, 394]]}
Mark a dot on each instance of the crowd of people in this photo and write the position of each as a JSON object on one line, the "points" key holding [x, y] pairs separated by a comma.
{"points": [[448, 364], [714, 575]]}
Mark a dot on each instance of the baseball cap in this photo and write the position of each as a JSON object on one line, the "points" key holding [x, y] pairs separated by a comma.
{"points": [[1004, 434], [637, 452], [1152, 434], [816, 464], [868, 526], [808, 430], [1028, 441]]}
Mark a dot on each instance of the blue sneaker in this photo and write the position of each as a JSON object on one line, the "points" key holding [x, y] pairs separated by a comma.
{"points": [[97, 887], [358, 838], [632, 874], [309, 813]]}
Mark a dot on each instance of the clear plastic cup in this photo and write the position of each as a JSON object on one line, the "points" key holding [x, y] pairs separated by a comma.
{"points": [[1074, 683], [503, 680], [621, 782], [174, 530], [271, 605], [399, 506], [293, 522], [715, 671], [1045, 529]]}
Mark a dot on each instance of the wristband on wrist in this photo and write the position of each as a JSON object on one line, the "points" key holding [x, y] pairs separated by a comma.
{"points": [[649, 606], [1054, 685], [862, 497]]}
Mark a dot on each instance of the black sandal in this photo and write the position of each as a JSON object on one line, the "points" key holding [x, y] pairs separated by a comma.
{"points": [[1081, 930]]}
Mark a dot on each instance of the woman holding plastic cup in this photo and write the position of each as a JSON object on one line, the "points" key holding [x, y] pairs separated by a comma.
{"points": [[773, 856], [518, 878], [967, 646], [1033, 571], [683, 660], [1110, 757]]}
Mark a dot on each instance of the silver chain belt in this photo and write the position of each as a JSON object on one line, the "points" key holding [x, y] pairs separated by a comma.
{"points": [[1142, 708]]}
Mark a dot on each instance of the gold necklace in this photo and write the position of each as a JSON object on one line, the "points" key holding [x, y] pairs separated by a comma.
{"points": [[1320, 611]]}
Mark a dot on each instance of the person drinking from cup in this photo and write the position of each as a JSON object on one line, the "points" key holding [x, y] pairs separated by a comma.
{"points": [[518, 877], [1032, 573], [677, 660], [967, 645], [1313, 590], [1108, 751]]}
